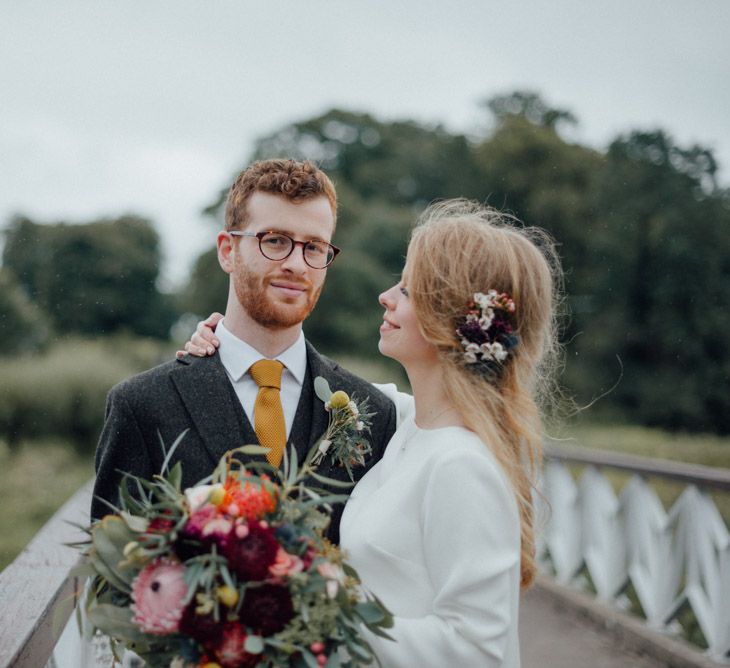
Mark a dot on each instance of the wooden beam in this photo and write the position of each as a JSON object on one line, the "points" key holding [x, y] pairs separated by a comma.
{"points": [[36, 594]]}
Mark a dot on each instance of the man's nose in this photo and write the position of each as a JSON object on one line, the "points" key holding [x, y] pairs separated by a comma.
{"points": [[295, 262]]}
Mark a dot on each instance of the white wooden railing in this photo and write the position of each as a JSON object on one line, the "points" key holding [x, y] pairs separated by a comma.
{"points": [[672, 558], [36, 593]]}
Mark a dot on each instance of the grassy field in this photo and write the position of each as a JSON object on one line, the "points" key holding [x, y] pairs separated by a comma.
{"points": [[36, 480], [692, 448], [646, 442]]}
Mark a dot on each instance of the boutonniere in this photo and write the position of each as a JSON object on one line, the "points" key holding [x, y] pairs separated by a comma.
{"points": [[344, 440]]}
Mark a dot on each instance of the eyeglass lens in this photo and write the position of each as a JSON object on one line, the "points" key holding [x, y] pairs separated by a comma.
{"points": [[318, 254]]}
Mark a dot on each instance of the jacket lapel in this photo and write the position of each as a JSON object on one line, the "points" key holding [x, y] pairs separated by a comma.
{"points": [[212, 404], [219, 419]]}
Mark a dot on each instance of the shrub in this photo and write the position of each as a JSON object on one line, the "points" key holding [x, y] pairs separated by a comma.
{"points": [[62, 393]]}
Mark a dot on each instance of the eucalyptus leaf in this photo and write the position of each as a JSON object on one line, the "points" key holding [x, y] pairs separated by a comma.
{"points": [[171, 452], [322, 500], [310, 660], [108, 553], [175, 476], [252, 450], [354, 648], [330, 481], [293, 467], [109, 574], [369, 611], [134, 522], [333, 661], [116, 621], [83, 570], [322, 389]]}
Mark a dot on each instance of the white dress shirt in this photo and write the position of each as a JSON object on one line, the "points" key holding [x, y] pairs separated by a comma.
{"points": [[237, 357]]}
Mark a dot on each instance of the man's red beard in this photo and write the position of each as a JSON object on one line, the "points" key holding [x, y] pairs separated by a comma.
{"points": [[251, 293]]}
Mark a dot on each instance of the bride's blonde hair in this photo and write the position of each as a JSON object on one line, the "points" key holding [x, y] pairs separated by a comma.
{"points": [[459, 248]]}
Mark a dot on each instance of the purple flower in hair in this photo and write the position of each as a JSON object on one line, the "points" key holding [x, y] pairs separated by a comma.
{"points": [[486, 333]]}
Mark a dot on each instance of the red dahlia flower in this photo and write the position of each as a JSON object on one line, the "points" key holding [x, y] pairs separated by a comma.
{"points": [[267, 609], [249, 557]]}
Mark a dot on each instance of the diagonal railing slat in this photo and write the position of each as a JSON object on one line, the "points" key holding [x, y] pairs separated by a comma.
{"points": [[672, 558]]}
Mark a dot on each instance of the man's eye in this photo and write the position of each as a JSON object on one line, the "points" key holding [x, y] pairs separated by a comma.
{"points": [[275, 241], [316, 248]]}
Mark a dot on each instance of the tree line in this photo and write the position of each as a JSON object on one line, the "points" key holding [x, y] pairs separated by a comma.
{"points": [[643, 230]]}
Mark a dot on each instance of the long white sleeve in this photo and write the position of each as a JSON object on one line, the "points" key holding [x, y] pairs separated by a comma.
{"points": [[471, 548]]}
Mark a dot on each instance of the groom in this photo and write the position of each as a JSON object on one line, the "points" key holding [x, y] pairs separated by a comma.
{"points": [[279, 219]]}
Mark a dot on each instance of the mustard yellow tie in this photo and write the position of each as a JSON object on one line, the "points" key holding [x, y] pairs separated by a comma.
{"points": [[268, 415]]}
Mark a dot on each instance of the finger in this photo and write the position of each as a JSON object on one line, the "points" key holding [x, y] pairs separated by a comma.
{"points": [[213, 319], [179, 353], [199, 350], [202, 342], [204, 336]]}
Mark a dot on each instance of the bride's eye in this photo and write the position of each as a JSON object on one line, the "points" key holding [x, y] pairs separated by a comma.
{"points": [[404, 291]]}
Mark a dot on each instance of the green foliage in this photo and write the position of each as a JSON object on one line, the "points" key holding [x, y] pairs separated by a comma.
{"points": [[22, 325], [97, 278], [529, 106], [664, 303], [207, 288], [642, 231], [62, 392], [36, 480]]}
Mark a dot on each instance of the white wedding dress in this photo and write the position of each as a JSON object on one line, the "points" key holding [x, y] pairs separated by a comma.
{"points": [[433, 530]]}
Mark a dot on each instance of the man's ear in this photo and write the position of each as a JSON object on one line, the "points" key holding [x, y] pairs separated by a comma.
{"points": [[225, 251]]}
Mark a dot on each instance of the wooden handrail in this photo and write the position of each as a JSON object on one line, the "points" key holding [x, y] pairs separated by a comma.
{"points": [[691, 474], [36, 593]]}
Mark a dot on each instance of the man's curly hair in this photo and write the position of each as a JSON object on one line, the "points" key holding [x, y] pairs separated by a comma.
{"points": [[294, 179]]}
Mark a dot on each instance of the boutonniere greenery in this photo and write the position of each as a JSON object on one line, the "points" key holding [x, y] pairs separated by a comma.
{"points": [[344, 440]]}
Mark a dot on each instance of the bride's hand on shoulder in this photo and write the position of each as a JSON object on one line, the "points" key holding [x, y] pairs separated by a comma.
{"points": [[203, 341]]}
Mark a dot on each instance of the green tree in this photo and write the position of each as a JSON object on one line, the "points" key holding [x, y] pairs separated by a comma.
{"points": [[207, 288], [666, 305], [22, 326], [95, 278], [642, 230]]}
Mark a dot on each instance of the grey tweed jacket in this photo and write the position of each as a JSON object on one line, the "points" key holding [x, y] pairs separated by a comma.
{"points": [[194, 393]]}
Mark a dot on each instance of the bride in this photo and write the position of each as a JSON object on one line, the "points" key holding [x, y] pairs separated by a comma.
{"points": [[441, 529]]}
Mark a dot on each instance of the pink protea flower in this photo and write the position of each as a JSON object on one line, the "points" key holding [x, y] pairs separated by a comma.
{"points": [[158, 593], [285, 564]]}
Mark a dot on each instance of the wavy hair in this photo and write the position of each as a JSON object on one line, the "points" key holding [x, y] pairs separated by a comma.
{"points": [[458, 248], [296, 180]]}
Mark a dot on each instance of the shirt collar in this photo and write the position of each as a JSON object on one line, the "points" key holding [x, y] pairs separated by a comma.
{"points": [[237, 356]]}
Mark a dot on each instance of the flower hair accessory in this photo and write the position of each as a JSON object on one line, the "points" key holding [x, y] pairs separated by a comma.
{"points": [[486, 332]]}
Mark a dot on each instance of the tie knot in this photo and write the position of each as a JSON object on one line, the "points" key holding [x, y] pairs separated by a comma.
{"points": [[267, 373]]}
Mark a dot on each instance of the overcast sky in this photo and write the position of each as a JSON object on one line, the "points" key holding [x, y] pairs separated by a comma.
{"points": [[152, 106]]}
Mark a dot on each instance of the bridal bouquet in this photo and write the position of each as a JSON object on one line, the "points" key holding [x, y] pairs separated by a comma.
{"points": [[232, 572]]}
